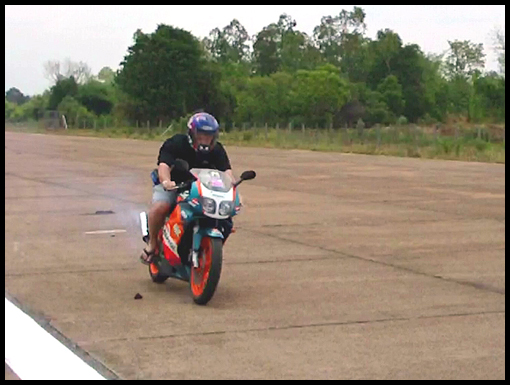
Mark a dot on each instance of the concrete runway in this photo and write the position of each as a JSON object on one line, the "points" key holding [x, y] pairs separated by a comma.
{"points": [[342, 267]]}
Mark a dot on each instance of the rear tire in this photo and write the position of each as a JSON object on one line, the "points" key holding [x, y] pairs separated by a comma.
{"points": [[205, 278], [155, 274]]}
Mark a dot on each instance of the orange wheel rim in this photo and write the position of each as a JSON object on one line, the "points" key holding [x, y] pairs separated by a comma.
{"points": [[154, 269], [200, 275]]}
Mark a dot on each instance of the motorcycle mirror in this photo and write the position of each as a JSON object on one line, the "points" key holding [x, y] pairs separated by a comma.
{"points": [[247, 175]]}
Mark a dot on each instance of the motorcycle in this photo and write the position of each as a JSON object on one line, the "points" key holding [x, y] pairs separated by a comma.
{"points": [[190, 244]]}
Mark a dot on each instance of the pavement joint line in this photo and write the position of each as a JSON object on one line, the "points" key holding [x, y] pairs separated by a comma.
{"points": [[303, 326], [35, 350], [475, 285]]}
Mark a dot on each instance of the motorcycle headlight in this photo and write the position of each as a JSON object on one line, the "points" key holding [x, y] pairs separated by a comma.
{"points": [[208, 205], [226, 207]]}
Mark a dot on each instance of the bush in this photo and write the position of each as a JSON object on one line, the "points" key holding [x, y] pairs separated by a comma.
{"points": [[180, 125], [247, 136], [446, 145], [480, 144], [427, 120], [402, 120], [76, 114]]}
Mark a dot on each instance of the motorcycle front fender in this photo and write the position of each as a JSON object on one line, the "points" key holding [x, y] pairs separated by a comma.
{"points": [[199, 233]]}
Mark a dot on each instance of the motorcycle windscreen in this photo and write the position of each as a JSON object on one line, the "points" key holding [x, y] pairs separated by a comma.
{"points": [[214, 180]]}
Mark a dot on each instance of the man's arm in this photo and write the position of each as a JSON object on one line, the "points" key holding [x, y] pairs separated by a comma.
{"points": [[164, 171], [165, 159]]}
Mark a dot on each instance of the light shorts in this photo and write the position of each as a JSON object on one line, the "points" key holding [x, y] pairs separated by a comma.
{"points": [[159, 194]]}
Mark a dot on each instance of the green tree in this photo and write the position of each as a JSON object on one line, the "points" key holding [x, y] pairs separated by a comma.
{"points": [[61, 89], [164, 74], [74, 111], [409, 66], [106, 75], [464, 58], [10, 107], [266, 57], [391, 93], [319, 95], [35, 107], [384, 51], [229, 44], [275, 43], [336, 37], [499, 45], [96, 97], [256, 103], [14, 95], [490, 90]]}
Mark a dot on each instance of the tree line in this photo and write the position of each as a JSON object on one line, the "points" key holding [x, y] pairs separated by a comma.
{"points": [[280, 76]]}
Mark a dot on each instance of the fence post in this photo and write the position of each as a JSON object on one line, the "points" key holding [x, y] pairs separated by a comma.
{"points": [[378, 130], [95, 124], [415, 137], [265, 126], [436, 132]]}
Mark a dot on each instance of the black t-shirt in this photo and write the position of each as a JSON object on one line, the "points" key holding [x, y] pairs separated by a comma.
{"points": [[178, 147]]}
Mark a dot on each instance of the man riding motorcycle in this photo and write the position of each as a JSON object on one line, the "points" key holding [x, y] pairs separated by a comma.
{"points": [[201, 149]]}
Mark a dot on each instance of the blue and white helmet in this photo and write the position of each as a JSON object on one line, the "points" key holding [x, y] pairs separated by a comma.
{"points": [[206, 123]]}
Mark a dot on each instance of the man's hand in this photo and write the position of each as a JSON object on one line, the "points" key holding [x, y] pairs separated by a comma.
{"points": [[168, 184]]}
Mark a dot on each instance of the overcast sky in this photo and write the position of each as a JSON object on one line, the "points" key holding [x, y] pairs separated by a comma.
{"points": [[99, 35]]}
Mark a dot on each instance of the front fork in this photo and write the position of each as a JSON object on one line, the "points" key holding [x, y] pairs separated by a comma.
{"points": [[198, 234], [197, 240]]}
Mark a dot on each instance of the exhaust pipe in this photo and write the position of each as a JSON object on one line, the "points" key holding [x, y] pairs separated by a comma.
{"points": [[144, 223]]}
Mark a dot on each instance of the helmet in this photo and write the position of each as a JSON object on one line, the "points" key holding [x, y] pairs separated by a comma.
{"points": [[204, 123]]}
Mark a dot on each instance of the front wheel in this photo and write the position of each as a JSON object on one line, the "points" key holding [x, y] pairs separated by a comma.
{"points": [[205, 278]]}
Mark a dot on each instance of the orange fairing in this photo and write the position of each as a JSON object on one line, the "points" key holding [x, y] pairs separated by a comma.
{"points": [[173, 230]]}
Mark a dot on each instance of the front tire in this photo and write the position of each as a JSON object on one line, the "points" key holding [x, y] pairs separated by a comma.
{"points": [[206, 277]]}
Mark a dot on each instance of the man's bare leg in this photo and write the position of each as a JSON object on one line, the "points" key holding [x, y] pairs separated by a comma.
{"points": [[157, 215]]}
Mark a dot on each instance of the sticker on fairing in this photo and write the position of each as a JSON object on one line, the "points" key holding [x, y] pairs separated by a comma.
{"points": [[177, 229], [167, 238]]}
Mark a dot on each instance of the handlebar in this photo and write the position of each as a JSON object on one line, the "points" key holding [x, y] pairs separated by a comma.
{"points": [[181, 186]]}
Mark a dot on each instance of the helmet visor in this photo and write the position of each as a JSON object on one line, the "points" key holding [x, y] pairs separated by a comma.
{"points": [[204, 138]]}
